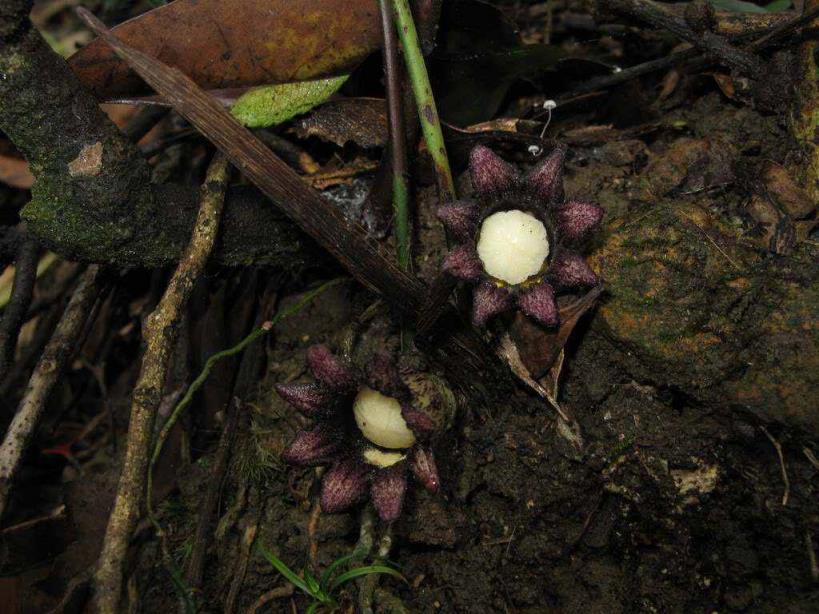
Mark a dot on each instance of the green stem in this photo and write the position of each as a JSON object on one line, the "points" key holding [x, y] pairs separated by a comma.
{"points": [[203, 376], [424, 100], [398, 141]]}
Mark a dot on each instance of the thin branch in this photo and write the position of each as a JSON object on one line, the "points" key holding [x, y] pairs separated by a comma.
{"points": [[773, 36], [159, 333], [716, 46], [60, 348], [25, 274]]}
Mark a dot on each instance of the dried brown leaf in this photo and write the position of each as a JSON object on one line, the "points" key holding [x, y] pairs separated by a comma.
{"points": [[362, 121], [231, 43]]}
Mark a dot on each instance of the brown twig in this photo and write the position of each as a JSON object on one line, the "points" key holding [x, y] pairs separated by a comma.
{"points": [[692, 55], [717, 47], [196, 565], [60, 348], [159, 335], [25, 274], [367, 584], [240, 570]]}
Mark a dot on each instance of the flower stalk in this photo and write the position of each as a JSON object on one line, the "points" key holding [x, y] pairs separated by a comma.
{"points": [[424, 100]]}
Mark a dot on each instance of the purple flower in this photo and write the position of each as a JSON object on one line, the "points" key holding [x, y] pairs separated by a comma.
{"points": [[516, 238], [368, 429]]}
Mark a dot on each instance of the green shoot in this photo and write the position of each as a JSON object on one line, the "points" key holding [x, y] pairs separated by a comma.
{"points": [[323, 592]]}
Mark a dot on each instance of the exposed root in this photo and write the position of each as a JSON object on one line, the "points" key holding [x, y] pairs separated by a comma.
{"points": [[368, 583], [239, 572], [778, 447], [51, 364], [160, 335], [279, 592]]}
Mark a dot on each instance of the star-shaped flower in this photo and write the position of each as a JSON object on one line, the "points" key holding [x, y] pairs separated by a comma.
{"points": [[368, 429], [516, 238]]}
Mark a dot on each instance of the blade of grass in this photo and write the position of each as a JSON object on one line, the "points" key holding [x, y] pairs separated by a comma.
{"points": [[365, 571], [327, 575], [284, 570]]}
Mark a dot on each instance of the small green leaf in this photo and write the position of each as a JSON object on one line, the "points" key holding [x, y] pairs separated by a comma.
{"points": [[273, 104], [365, 571], [284, 570], [332, 567], [313, 585]]}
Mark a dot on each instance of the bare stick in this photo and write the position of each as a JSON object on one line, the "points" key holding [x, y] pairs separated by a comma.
{"points": [[25, 274], [159, 335], [51, 364]]}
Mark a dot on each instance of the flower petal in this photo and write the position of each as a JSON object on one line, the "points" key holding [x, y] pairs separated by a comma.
{"points": [[546, 179], [490, 174], [570, 270], [387, 491], [460, 218], [539, 303], [313, 447], [329, 369], [577, 218], [418, 421], [383, 376], [307, 398], [344, 484], [489, 300], [422, 464], [463, 263]]}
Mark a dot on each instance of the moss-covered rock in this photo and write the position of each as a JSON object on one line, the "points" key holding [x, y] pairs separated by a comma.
{"points": [[694, 308]]}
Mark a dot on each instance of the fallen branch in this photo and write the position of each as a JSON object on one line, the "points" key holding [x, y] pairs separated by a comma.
{"points": [[60, 348], [159, 334]]}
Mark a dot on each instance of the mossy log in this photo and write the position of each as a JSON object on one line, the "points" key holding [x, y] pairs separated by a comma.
{"points": [[93, 199]]}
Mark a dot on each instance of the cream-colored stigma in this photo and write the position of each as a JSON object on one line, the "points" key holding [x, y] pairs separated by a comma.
{"points": [[380, 459], [379, 419], [513, 245]]}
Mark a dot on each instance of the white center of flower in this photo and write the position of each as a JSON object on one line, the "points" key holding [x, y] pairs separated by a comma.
{"points": [[382, 460], [379, 419], [513, 245]]}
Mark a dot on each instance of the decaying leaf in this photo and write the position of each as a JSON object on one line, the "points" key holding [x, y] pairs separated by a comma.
{"points": [[539, 348], [231, 43], [362, 121], [270, 105]]}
